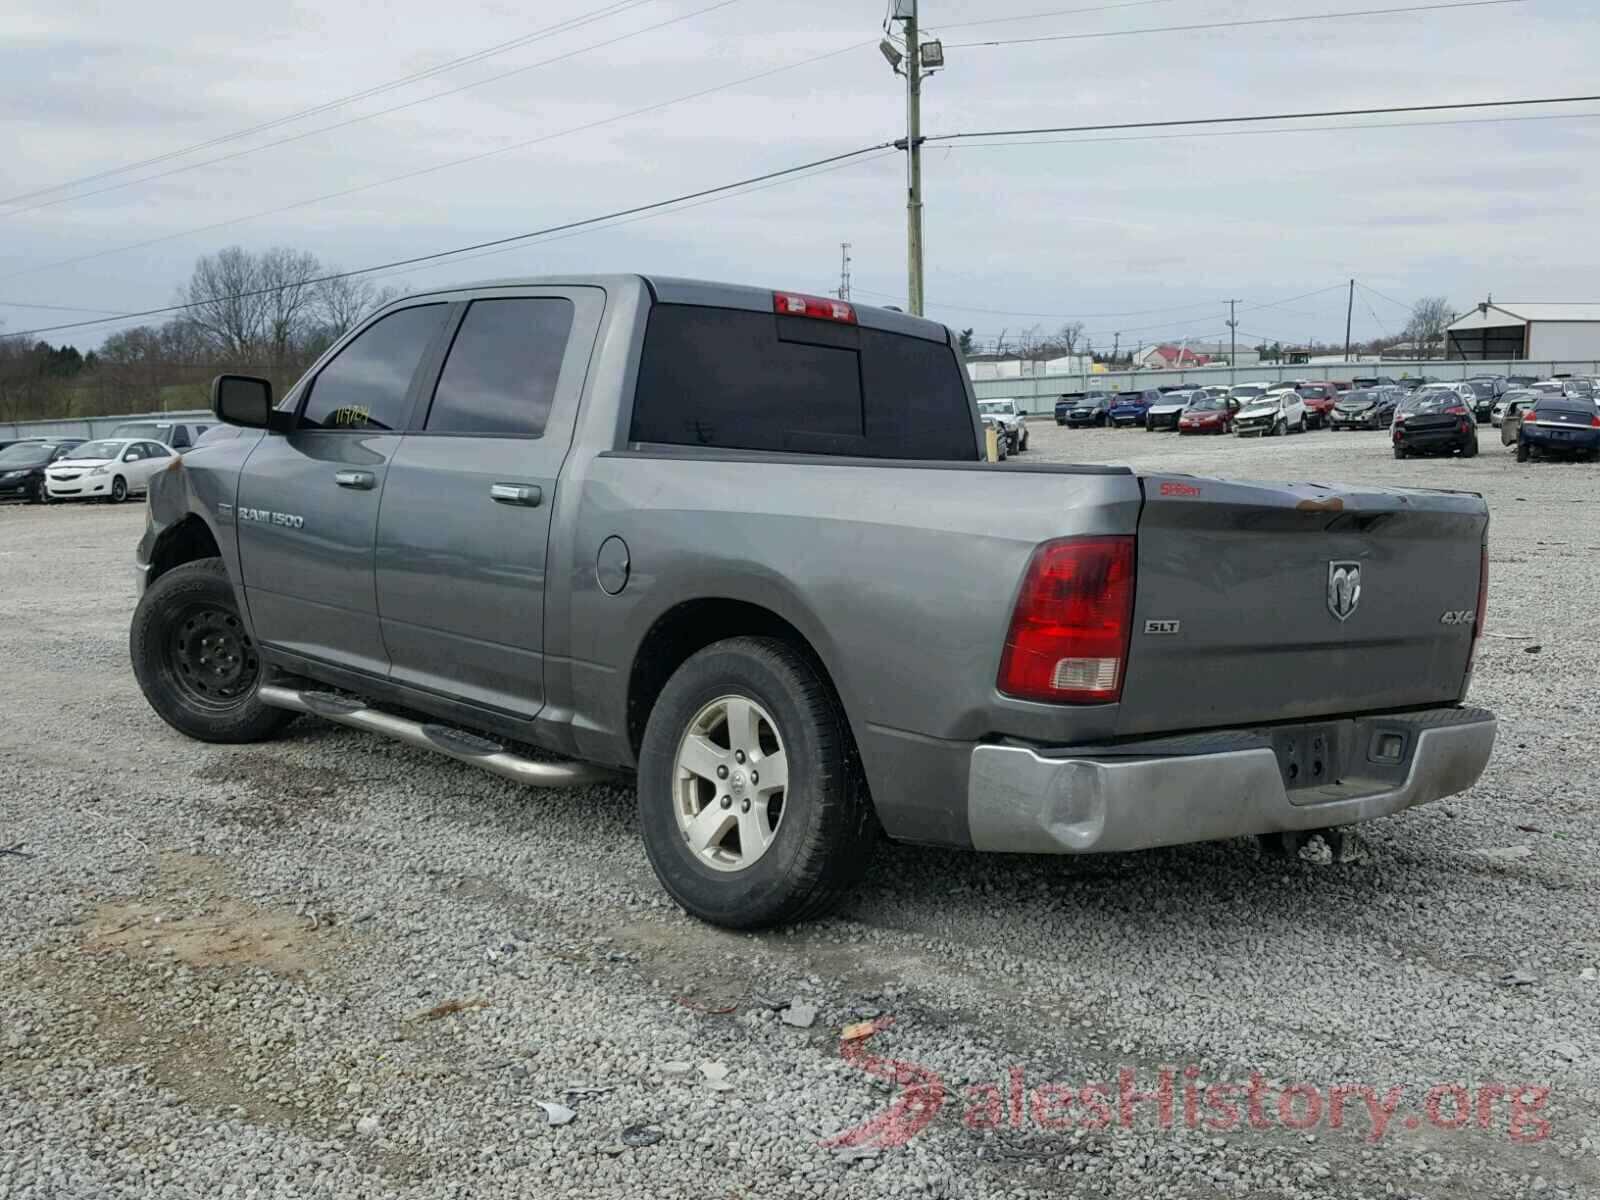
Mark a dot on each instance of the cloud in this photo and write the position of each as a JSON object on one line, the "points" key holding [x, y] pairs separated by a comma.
{"points": [[1096, 226]]}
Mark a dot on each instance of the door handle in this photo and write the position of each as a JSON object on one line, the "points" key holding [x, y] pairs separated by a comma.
{"points": [[361, 480], [529, 495]]}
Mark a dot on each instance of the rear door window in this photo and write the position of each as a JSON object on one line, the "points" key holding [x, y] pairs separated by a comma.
{"points": [[500, 378], [366, 385], [734, 379]]}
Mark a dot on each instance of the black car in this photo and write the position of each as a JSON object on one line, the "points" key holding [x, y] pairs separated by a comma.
{"points": [[22, 467], [1372, 381], [1363, 408], [1434, 422], [1487, 394], [1094, 408], [1567, 426]]}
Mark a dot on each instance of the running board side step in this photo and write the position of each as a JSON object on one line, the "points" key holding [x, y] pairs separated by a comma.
{"points": [[441, 739]]}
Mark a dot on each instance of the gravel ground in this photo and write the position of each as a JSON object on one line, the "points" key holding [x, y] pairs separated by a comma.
{"points": [[332, 966]]}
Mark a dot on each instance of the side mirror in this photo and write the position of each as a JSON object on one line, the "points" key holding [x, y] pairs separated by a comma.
{"points": [[242, 400]]}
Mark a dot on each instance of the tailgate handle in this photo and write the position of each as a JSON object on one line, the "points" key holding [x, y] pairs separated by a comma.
{"points": [[360, 480], [529, 495]]}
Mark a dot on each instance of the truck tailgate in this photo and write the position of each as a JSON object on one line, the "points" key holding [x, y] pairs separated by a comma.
{"points": [[1260, 602]]}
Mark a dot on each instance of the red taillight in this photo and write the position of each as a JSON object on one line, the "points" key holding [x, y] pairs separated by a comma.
{"points": [[1595, 422], [1068, 641], [1457, 411], [1530, 417], [823, 308]]}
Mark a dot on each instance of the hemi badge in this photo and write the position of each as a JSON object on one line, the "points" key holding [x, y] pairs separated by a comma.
{"points": [[1161, 627]]}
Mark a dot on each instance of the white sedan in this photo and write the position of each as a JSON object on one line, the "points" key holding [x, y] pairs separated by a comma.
{"points": [[107, 469]]}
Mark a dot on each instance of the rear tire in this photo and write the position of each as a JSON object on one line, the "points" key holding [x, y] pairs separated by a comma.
{"points": [[1522, 452], [799, 863], [195, 661], [1470, 450], [1399, 453]]}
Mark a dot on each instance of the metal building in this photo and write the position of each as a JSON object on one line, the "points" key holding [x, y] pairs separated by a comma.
{"points": [[1538, 331]]}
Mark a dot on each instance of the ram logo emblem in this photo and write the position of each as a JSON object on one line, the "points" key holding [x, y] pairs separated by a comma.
{"points": [[1344, 588]]}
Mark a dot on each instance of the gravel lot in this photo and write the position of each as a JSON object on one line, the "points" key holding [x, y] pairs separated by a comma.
{"points": [[226, 972]]}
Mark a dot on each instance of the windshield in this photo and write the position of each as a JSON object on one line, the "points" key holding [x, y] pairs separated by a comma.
{"points": [[1002, 407], [151, 430], [1206, 404], [1429, 402], [1578, 408], [96, 450], [1248, 391], [1361, 397], [27, 454]]}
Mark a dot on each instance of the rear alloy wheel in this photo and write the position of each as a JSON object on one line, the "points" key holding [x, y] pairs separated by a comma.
{"points": [[753, 810], [119, 490], [1301, 427], [195, 660]]}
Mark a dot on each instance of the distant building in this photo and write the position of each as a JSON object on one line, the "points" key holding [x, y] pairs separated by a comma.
{"points": [[1545, 332], [1167, 357], [989, 367]]}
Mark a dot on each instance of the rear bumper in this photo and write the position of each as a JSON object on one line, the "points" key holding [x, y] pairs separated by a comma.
{"points": [[1576, 441], [1211, 787]]}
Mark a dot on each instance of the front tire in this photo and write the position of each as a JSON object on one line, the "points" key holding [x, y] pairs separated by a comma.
{"points": [[195, 661], [732, 847], [119, 490]]}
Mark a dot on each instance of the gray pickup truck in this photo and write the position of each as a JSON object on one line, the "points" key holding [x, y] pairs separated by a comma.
{"points": [[743, 545]]}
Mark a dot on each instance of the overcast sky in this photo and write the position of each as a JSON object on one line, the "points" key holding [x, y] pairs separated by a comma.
{"points": [[1039, 233]]}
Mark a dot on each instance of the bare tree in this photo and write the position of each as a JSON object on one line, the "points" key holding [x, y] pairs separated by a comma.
{"points": [[287, 276], [341, 304], [1067, 336], [226, 301], [1429, 318]]}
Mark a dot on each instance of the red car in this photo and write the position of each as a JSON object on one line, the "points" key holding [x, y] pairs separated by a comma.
{"points": [[1319, 398], [1208, 414]]}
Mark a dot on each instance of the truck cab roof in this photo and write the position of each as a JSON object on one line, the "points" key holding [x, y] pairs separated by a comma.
{"points": [[670, 289]]}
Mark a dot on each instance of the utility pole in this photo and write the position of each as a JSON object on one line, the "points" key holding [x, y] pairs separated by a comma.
{"points": [[844, 271], [1349, 310], [1233, 344], [915, 57], [1115, 344]]}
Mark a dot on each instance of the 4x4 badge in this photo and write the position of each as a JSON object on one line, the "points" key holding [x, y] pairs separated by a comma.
{"points": [[1344, 588]]}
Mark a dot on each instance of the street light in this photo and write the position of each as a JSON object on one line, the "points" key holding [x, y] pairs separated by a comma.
{"points": [[933, 55]]}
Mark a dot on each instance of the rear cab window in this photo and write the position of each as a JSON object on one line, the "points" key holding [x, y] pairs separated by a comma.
{"points": [[738, 379]]}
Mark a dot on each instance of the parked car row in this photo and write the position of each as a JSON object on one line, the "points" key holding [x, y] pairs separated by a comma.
{"points": [[45, 470]]}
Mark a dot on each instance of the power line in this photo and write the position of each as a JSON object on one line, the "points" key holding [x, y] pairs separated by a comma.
{"points": [[503, 241], [540, 240], [1283, 116], [470, 158], [1381, 296], [610, 10], [1368, 12], [382, 112], [58, 307], [1011, 312], [1160, 137], [1058, 12]]}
